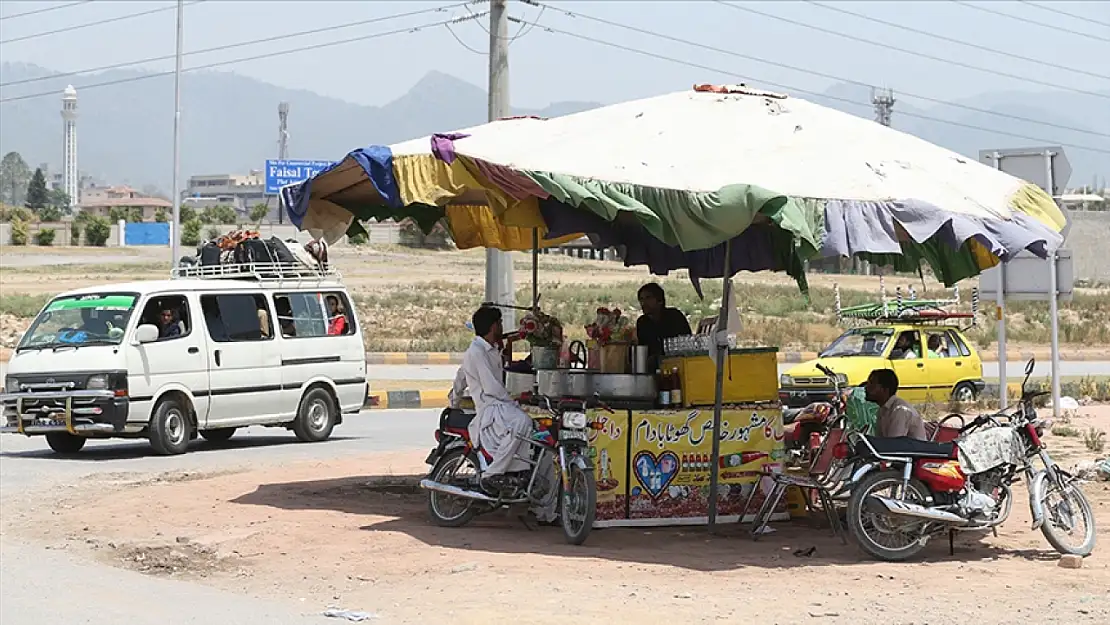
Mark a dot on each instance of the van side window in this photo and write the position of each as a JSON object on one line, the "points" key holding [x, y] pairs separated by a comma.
{"points": [[234, 317], [170, 314], [314, 314]]}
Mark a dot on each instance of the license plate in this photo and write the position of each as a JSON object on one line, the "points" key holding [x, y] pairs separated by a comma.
{"points": [[573, 435], [797, 393], [49, 422]]}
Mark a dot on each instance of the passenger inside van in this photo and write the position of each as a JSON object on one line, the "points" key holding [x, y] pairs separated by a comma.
{"points": [[337, 317], [264, 322], [285, 316]]}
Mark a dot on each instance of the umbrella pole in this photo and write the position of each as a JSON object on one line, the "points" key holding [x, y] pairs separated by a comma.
{"points": [[535, 269], [720, 333]]}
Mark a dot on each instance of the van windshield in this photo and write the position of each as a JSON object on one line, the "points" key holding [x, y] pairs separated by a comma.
{"points": [[859, 342], [76, 320]]}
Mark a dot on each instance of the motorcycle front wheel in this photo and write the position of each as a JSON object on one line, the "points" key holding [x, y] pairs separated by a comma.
{"points": [[447, 510], [1063, 510], [579, 504], [886, 536]]}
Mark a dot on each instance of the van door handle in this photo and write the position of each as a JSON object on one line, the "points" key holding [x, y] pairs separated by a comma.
{"points": [[959, 363], [217, 355], [194, 350], [920, 365]]}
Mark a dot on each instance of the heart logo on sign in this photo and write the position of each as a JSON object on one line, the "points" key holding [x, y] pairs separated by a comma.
{"points": [[653, 472]]}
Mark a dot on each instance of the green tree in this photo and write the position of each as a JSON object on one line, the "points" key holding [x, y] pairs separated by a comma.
{"points": [[190, 232], [117, 214], [160, 216], [50, 213], [14, 176], [135, 215], [259, 212], [12, 213], [188, 213], [60, 199], [220, 215], [97, 231], [38, 197], [21, 231]]}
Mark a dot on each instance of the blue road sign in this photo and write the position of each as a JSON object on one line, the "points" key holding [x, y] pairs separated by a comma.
{"points": [[281, 173]]}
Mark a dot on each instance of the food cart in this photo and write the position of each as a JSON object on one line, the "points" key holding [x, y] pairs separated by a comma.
{"points": [[653, 177]]}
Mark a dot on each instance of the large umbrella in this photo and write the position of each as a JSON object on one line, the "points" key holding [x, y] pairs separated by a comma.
{"points": [[714, 180]]}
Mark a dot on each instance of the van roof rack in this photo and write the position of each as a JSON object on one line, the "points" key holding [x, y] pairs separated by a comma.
{"points": [[262, 272]]}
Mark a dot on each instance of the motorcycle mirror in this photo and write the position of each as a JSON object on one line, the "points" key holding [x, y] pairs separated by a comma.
{"points": [[1029, 366]]}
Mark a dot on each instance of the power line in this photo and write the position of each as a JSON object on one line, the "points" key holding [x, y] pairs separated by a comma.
{"points": [[411, 29], [819, 74], [110, 20], [231, 46], [1062, 12], [829, 31], [956, 41], [796, 90], [1029, 21], [37, 11]]}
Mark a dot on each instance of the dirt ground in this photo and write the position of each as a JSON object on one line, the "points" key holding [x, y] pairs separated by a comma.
{"points": [[354, 534]]}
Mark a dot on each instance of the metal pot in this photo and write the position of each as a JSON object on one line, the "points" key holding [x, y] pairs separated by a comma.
{"points": [[625, 386], [545, 358], [565, 383], [519, 383]]}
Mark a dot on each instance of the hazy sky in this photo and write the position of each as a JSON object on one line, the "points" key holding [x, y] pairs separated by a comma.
{"points": [[547, 66]]}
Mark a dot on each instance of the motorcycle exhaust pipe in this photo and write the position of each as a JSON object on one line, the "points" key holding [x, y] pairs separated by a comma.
{"points": [[906, 508], [456, 491]]}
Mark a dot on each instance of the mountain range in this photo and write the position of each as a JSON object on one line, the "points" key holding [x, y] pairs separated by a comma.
{"points": [[229, 121]]}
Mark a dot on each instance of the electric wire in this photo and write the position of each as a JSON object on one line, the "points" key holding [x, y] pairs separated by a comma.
{"points": [[37, 11], [1018, 18], [110, 20]]}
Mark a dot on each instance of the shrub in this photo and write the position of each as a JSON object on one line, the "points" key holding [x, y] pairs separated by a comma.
{"points": [[358, 239], [190, 232], [75, 233], [97, 231], [1093, 439], [44, 237], [160, 216], [21, 232], [213, 233]]}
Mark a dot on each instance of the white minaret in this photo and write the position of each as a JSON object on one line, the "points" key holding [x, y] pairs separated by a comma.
{"points": [[69, 147]]}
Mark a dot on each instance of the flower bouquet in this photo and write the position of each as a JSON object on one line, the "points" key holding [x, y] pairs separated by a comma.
{"points": [[541, 330], [610, 326]]}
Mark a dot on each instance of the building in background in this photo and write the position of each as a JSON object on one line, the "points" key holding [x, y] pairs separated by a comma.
{"points": [[240, 192], [70, 175], [101, 201]]}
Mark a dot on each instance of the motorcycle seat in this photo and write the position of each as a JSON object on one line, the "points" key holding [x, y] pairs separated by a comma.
{"points": [[906, 446], [456, 419]]}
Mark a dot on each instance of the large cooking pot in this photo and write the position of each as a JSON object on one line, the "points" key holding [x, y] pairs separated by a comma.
{"points": [[625, 386], [519, 383], [565, 383]]}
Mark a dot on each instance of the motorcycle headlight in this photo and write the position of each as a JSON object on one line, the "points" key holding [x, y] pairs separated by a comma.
{"points": [[785, 380], [97, 382], [842, 379], [575, 420]]}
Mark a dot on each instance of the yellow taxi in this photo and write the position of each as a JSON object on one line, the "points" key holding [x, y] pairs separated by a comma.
{"points": [[934, 363]]}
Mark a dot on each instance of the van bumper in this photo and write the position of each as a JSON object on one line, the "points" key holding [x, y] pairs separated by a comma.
{"points": [[82, 413]]}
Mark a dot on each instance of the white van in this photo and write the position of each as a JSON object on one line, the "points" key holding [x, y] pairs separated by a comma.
{"points": [[197, 354]]}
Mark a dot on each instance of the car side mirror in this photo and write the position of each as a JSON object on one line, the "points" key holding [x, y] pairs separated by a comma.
{"points": [[146, 333]]}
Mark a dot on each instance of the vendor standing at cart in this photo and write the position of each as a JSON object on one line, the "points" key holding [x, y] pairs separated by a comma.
{"points": [[658, 322]]}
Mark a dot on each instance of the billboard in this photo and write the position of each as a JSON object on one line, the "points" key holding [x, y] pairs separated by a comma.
{"points": [[280, 173]]}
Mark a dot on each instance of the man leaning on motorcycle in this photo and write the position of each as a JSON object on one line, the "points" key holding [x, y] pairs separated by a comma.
{"points": [[499, 421], [897, 417]]}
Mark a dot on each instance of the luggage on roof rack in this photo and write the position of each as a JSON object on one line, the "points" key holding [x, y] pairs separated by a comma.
{"points": [[283, 272], [244, 255]]}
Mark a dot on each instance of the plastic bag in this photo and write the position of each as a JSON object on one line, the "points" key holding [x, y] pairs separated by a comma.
{"points": [[863, 415]]}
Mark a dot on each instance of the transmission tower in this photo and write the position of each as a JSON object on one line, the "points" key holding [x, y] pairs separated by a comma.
{"points": [[883, 99]]}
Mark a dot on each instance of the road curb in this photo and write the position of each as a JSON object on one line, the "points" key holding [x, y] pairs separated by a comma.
{"points": [[395, 400]]}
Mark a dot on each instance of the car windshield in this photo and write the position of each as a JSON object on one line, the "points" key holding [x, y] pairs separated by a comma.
{"points": [[77, 320], [859, 342]]}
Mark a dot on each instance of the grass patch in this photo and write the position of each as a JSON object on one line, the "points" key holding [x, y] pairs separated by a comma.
{"points": [[22, 305], [1094, 440], [1066, 431]]}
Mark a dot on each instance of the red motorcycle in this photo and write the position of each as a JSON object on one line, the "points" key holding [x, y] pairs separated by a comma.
{"points": [[905, 491]]}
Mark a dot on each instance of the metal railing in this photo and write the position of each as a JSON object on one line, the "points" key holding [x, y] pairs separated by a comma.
{"points": [[282, 273]]}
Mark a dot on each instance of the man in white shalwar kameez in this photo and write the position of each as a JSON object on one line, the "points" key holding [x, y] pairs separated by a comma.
{"points": [[499, 420]]}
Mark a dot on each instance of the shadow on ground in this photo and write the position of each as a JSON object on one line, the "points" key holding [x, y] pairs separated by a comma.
{"points": [[131, 449], [400, 506]]}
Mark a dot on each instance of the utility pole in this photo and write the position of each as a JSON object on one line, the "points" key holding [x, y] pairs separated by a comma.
{"points": [[283, 146], [499, 265], [175, 228], [883, 100]]}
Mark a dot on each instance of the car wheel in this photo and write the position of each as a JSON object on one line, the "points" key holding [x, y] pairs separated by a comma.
{"points": [[65, 443], [315, 417], [170, 428], [964, 393]]}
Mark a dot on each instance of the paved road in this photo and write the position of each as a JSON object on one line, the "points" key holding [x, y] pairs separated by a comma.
{"points": [[109, 596]]}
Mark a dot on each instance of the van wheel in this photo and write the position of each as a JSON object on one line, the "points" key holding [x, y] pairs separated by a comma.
{"points": [[315, 416], [65, 443], [219, 435], [170, 428]]}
